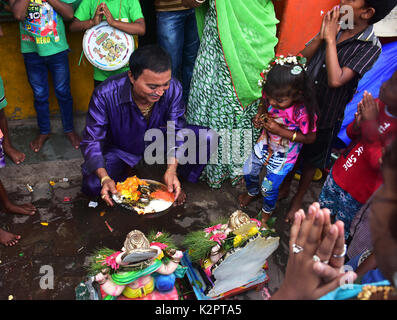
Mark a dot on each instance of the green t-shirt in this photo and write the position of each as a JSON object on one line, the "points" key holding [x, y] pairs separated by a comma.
{"points": [[130, 12], [3, 101], [43, 30]]}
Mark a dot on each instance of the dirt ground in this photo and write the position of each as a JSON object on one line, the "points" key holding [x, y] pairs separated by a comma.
{"points": [[74, 229]]}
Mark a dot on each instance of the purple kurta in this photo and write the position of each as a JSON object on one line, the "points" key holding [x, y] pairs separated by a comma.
{"points": [[115, 127]]}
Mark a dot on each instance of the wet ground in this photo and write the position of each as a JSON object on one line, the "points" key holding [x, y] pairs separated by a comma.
{"points": [[65, 230]]}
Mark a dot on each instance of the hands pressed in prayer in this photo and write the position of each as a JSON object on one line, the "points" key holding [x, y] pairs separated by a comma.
{"points": [[316, 256]]}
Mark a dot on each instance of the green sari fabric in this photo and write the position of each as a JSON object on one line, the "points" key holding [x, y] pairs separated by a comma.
{"points": [[237, 40], [247, 31]]}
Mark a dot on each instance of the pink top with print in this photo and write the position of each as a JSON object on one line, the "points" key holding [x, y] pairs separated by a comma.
{"points": [[292, 118]]}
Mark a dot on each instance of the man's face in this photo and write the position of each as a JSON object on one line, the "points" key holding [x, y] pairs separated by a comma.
{"points": [[150, 86]]}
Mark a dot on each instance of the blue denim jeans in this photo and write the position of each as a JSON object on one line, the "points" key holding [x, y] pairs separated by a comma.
{"points": [[37, 68], [177, 34], [270, 184]]}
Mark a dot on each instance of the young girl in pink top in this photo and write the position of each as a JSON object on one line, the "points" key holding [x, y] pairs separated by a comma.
{"points": [[287, 115]]}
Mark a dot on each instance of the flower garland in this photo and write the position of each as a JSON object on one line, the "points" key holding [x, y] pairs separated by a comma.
{"points": [[240, 238], [108, 260], [299, 61], [217, 233]]}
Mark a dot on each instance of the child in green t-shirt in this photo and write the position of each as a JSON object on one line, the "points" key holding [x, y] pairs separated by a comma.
{"points": [[45, 49], [123, 15]]}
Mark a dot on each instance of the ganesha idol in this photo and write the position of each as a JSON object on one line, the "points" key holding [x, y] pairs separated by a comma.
{"points": [[228, 257], [142, 270]]}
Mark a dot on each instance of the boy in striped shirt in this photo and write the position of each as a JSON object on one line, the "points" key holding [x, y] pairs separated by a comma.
{"points": [[338, 59]]}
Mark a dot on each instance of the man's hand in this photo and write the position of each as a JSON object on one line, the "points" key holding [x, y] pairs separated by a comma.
{"points": [[108, 189], [330, 25], [173, 185]]}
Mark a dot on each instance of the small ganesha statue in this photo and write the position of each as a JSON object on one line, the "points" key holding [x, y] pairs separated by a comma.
{"points": [[141, 270]]}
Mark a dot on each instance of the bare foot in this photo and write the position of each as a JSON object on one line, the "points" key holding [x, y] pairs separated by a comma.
{"points": [[245, 199], [296, 204], [265, 218], [8, 239], [181, 199], [37, 143], [26, 209], [15, 155], [74, 139]]}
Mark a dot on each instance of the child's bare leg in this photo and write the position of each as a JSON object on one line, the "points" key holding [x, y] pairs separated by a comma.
{"points": [[38, 142], [27, 209], [245, 199], [265, 216], [304, 183], [286, 184], [15, 155], [8, 239], [74, 139]]}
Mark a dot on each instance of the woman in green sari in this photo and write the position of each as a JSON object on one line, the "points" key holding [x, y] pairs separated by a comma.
{"points": [[237, 41]]}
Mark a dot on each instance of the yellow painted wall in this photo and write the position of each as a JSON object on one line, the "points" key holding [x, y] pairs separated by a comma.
{"points": [[17, 89]]}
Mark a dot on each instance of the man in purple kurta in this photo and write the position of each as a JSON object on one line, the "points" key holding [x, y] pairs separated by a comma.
{"points": [[121, 111]]}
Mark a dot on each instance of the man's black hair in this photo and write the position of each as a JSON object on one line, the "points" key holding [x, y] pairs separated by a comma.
{"points": [[150, 57], [382, 8]]}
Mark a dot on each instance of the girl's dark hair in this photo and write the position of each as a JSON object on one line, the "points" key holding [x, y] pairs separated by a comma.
{"points": [[282, 80], [150, 57], [382, 8]]}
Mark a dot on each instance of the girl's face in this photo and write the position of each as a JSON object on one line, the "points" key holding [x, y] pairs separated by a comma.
{"points": [[388, 91], [280, 102]]}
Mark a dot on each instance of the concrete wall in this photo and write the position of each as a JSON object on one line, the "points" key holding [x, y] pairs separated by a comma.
{"points": [[17, 89]]}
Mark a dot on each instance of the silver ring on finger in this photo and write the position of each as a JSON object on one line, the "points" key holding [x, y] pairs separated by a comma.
{"points": [[316, 258], [296, 248], [343, 253]]}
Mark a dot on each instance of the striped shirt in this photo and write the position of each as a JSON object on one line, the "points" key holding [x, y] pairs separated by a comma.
{"points": [[358, 53], [169, 5]]}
